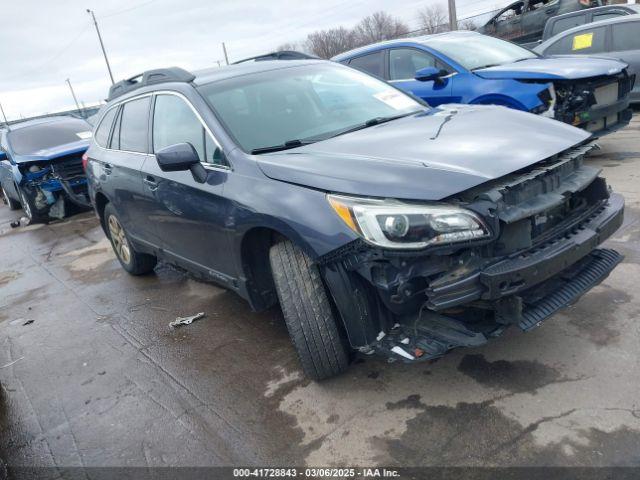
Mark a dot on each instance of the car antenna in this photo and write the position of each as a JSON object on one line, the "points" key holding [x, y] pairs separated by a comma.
{"points": [[5, 117]]}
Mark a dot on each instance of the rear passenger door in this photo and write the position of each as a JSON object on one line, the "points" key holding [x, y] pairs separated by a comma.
{"points": [[191, 218], [121, 168], [405, 62]]}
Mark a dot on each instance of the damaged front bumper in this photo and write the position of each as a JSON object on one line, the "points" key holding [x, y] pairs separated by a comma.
{"points": [[418, 305]]}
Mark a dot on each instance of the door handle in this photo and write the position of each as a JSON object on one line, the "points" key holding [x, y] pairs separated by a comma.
{"points": [[150, 182]]}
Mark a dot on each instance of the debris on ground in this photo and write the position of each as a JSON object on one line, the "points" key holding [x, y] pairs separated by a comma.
{"points": [[15, 224], [28, 322], [179, 321]]}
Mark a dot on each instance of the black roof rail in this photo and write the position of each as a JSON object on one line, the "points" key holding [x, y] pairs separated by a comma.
{"points": [[150, 77], [281, 55]]}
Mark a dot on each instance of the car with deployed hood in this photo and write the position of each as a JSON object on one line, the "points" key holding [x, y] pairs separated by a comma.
{"points": [[467, 67], [378, 223], [617, 38], [41, 165]]}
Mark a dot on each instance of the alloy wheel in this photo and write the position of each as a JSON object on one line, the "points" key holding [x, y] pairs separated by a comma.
{"points": [[119, 240]]}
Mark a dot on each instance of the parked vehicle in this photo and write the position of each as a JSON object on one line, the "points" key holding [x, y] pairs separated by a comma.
{"points": [[564, 22], [279, 55], [524, 21], [617, 38], [467, 67], [41, 165], [378, 223]]}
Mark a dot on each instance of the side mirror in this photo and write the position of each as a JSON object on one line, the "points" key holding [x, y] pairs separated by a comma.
{"points": [[178, 157], [3, 155], [427, 74]]}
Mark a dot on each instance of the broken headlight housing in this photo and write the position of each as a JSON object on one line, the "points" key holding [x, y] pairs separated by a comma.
{"points": [[398, 225]]}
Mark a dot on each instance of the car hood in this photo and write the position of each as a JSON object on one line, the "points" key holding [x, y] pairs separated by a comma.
{"points": [[52, 153], [428, 156], [553, 68]]}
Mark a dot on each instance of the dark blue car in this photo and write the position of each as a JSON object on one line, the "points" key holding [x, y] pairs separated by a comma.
{"points": [[41, 165], [467, 67], [378, 223]]}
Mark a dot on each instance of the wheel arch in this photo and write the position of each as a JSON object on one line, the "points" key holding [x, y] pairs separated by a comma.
{"points": [[100, 202]]}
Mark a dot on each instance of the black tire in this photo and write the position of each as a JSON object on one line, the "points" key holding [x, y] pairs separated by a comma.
{"points": [[307, 312], [133, 262], [29, 207], [10, 202]]}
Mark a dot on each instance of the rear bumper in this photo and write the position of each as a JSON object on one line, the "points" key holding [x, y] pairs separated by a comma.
{"points": [[525, 270]]}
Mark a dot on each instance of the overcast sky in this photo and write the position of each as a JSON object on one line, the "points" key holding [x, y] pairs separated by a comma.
{"points": [[43, 42]]}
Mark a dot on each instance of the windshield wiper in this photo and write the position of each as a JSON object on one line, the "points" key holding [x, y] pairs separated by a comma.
{"points": [[285, 146], [372, 122]]}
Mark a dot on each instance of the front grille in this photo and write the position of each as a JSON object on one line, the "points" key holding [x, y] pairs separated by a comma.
{"points": [[69, 167]]}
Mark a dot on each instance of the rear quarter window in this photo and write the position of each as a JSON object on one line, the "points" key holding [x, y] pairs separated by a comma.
{"points": [[626, 36], [102, 132]]}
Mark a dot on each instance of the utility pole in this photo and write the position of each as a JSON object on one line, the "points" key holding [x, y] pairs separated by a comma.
{"points": [[224, 49], [73, 94], [101, 45], [4, 116], [453, 18]]}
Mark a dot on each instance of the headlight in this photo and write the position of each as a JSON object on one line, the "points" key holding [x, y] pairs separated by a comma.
{"points": [[395, 224]]}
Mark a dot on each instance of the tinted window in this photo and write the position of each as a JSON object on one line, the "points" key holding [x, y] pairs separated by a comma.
{"points": [[626, 36], [133, 126], [583, 42], [174, 122], [29, 140], [371, 63], [404, 62], [604, 16], [562, 24], [102, 133]]}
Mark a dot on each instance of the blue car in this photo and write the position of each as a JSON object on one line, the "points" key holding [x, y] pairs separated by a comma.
{"points": [[467, 67], [41, 165]]}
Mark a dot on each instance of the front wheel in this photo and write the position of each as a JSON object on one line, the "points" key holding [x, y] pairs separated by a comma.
{"points": [[133, 262], [13, 205], [29, 207], [307, 312]]}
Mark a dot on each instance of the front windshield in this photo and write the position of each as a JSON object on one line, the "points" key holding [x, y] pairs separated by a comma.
{"points": [[480, 52], [42, 136], [302, 104]]}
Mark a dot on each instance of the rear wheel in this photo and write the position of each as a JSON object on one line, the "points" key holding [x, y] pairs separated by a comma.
{"points": [[307, 312], [13, 205], [134, 262]]}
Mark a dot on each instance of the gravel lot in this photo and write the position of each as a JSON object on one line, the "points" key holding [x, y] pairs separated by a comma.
{"points": [[99, 378]]}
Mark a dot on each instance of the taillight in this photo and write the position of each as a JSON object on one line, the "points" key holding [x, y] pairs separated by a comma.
{"points": [[85, 160]]}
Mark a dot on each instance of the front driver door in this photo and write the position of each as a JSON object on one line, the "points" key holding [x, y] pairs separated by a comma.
{"points": [[403, 65], [190, 217]]}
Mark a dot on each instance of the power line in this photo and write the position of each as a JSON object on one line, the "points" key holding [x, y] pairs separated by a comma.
{"points": [[125, 10]]}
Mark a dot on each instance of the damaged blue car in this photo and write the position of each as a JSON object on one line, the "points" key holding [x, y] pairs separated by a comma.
{"points": [[41, 167], [467, 67]]}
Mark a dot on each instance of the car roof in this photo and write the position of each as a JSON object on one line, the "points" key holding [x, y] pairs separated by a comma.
{"points": [[41, 121], [422, 40], [215, 74], [609, 21]]}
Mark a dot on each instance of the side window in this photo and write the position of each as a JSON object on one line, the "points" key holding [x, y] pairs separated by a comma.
{"points": [[626, 36], [133, 125], [606, 15], [174, 122], [104, 129], [512, 12], [582, 42], [562, 24], [405, 62], [371, 63]]}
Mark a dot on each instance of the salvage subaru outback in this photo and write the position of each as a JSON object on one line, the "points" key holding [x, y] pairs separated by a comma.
{"points": [[380, 224]]}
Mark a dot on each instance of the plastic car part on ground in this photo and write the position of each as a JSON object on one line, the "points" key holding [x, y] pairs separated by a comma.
{"points": [[180, 321]]}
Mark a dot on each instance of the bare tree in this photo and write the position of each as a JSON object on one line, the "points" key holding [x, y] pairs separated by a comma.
{"points": [[287, 46], [327, 43], [377, 27], [433, 19], [467, 24]]}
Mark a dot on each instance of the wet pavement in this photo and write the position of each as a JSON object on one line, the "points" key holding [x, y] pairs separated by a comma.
{"points": [[92, 374]]}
